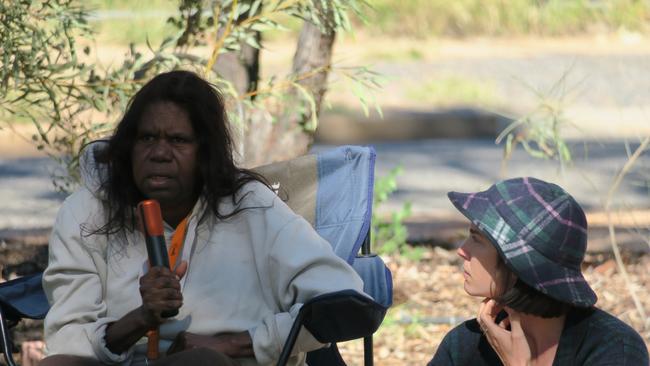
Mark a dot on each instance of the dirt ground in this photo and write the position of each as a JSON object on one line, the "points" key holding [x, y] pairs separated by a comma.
{"points": [[429, 299]]}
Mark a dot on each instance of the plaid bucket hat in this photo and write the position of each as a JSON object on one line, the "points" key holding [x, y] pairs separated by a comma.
{"points": [[539, 231]]}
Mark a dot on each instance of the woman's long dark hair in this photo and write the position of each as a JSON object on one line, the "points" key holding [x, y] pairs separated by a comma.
{"points": [[219, 177]]}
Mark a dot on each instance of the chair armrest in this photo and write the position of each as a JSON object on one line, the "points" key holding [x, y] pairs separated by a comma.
{"points": [[24, 298], [20, 298], [342, 316], [336, 317]]}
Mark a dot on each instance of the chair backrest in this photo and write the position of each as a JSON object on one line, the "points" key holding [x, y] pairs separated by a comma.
{"points": [[332, 190]]}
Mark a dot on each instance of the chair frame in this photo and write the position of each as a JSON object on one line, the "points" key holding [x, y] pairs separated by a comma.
{"points": [[7, 345], [377, 313], [368, 356]]}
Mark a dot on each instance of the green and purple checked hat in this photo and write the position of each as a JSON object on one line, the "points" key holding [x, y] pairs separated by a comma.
{"points": [[540, 232]]}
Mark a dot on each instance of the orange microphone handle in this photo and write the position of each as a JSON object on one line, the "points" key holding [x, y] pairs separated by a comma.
{"points": [[157, 251], [152, 344], [153, 234]]}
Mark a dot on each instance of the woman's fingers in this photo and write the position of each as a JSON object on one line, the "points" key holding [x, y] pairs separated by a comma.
{"points": [[495, 333], [494, 308], [165, 305], [162, 295], [158, 298], [159, 277], [521, 349], [488, 313], [511, 344], [161, 291], [515, 323], [505, 323], [486, 320]]}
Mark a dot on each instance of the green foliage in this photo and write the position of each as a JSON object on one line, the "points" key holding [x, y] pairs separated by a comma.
{"points": [[389, 237], [40, 67], [412, 18], [251, 16], [133, 5], [426, 18], [363, 83], [540, 132], [329, 15], [71, 102]]}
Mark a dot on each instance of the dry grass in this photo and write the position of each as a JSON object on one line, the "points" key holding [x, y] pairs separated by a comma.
{"points": [[428, 291]]}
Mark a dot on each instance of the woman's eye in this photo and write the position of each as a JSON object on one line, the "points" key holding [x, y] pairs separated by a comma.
{"points": [[179, 140], [476, 237], [146, 138]]}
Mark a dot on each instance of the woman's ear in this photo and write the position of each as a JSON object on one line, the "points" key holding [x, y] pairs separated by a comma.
{"points": [[504, 280]]}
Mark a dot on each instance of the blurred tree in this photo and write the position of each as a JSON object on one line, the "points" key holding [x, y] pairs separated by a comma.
{"points": [[72, 102], [239, 65]]}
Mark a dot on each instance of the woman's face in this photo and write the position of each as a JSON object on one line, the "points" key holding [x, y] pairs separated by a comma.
{"points": [[165, 156], [481, 266]]}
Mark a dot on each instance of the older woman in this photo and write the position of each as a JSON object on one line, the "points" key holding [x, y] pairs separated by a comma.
{"points": [[245, 263], [527, 239]]}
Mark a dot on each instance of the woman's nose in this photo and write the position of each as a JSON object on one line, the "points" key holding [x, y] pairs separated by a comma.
{"points": [[462, 252], [160, 151]]}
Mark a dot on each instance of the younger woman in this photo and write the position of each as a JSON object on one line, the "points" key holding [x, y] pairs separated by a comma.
{"points": [[527, 239]]}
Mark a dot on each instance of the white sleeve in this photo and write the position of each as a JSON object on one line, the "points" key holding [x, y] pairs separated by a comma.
{"points": [[76, 323], [301, 265]]}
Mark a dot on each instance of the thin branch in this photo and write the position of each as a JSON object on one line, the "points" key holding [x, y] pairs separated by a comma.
{"points": [[612, 233], [287, 83], [222, 39], [268, 13]]}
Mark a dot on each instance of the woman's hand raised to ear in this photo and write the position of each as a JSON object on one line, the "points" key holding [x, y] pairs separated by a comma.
{"points": [[510, 345]]}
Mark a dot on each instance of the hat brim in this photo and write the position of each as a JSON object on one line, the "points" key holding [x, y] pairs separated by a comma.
{"points": [[532, 267]]}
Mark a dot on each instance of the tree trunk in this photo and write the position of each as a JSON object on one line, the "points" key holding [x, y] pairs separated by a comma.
{"points": [[313, 55], [288, 137], [241, 68], [283, 133]]}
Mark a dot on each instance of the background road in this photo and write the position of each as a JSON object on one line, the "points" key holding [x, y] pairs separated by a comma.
{"points": [[430, 169], [607, 94]]}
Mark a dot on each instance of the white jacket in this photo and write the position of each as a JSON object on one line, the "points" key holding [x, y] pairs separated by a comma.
{"points": [[250, 272]]}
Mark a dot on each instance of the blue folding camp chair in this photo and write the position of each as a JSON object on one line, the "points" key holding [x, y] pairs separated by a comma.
{"points": [[333, 190]]}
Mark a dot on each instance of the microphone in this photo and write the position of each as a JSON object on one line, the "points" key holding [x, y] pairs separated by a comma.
{"points": [[152, 227]]}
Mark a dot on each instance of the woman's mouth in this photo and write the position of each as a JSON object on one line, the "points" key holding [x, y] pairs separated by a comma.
{"points": [[158, 180]]}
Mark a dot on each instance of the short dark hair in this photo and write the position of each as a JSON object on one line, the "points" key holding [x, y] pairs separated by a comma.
{"points": [[519, 296], [525, 299], [218, 176]]}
